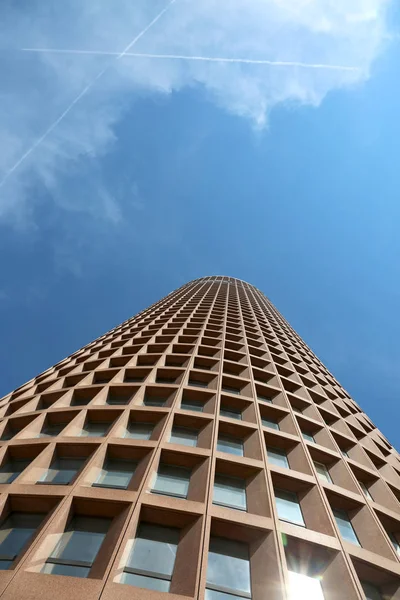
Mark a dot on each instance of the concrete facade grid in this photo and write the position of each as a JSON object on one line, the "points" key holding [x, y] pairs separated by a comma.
{"points": [[216, 342]]}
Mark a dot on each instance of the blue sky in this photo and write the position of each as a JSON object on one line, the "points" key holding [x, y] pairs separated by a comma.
{"points": [[169, 169]]}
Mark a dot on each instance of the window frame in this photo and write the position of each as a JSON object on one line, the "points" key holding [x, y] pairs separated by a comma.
{"points": [[162, 465]]}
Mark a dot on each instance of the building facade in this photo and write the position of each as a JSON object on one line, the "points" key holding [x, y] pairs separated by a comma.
{"points": [[200, 450]]}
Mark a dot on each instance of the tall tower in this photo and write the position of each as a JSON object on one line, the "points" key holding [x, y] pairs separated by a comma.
{"points": [[200, 450]]}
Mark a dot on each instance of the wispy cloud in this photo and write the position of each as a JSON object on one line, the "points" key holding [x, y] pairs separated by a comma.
{"points": [[58, 107]]}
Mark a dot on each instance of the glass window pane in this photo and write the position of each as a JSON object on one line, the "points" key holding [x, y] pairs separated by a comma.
{"points": [[154, 549], [182, 435], [228, 565], [302, 587], [232, 414], [51, 430], [288, 507], [394, 541], [116, 474], [371, 592], [71, 570], [264, 399], [62, 471], [139, 431], [230, 445], [192, 405], [365, 490], [322, 472], [230, 491], [345, 526], [114, 399], [308, 437], [95, 429], [270, 424], [149, 401], [277, 457], [172, 480], [214, 595], [150, 583], [15, 532], [82, 539], [12, 469]]}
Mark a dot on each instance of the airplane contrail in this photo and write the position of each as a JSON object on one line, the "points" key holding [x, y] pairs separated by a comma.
{"points": [[85, 90], [218, 59]]}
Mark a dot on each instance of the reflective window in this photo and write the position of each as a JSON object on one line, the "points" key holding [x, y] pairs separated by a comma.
{"points": [[228, 570], [302, 586], [277, 457], [152, 558], [322, 472], [183, 435], [139, 431], [288, 507], [264, 399], [308, 437], [154, 401], [61, 471], [230, 491], [345, 527], [15, 532], [95, 429], [192, 405], [116, 473], [197, 383], [365, 490], [172, 481], [114, 399], [230, 444], [78, 546], [371, 592], [230, 390], [394, 541], [230, 412], [52, 429], [271, 424], [12, 469]]}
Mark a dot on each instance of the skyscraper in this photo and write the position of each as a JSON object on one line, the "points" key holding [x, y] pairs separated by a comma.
{"points": [[199, 449]]}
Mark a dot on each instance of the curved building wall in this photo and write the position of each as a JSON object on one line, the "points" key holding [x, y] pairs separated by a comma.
{"points": [[201, 450]]}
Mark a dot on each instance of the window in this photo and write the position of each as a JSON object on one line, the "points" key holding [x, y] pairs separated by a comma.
{"points": [[183, 435], [196, 383], [15, 532], [344, 453], [365, 490], [230, 390], [94, 429], [77, 548], [192, 405], [52, 429], [230, 444], [264, 399], [228, 570], [152, 559], [12, 469], [394, 541], [154, 401], [61, 471], [230, 412], [345, 527], [139, 431], [322, 472], [308, 437], [116, 473], [288, 507], [230, 491], [114, 399], [172, 481], [371, 592], [277, 457], [271, 424], [303, 586]]}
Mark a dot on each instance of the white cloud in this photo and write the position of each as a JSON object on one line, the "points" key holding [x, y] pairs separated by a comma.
{"points": [[36, 89]]}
